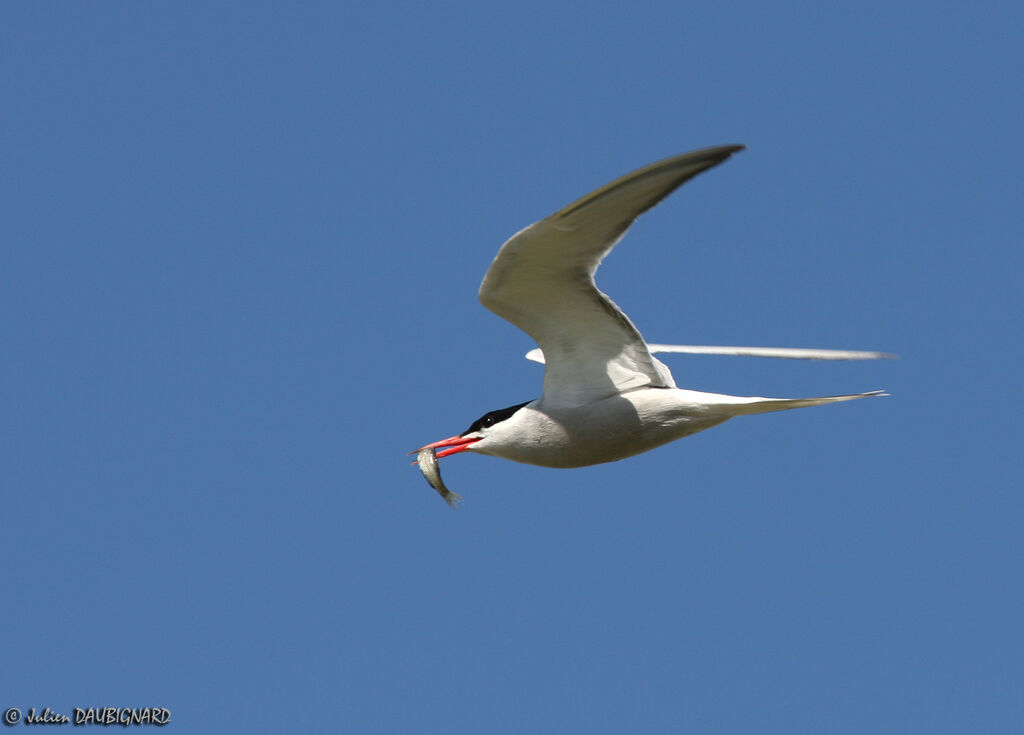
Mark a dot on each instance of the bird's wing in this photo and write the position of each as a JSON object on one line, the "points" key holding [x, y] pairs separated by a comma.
{"points": [[542, 280], [792, 353]]}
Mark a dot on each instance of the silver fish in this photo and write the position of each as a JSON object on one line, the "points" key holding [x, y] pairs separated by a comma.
{"points": [[427, 460]]}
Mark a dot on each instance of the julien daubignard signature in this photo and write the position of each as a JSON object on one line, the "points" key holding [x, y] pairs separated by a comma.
{"points": [[124, 716]]}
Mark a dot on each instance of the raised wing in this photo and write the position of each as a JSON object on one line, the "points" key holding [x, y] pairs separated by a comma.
{"points": [[542, 280], [792, 353]]}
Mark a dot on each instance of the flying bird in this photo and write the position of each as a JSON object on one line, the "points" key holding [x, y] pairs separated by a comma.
{"points": [[605, 397]]}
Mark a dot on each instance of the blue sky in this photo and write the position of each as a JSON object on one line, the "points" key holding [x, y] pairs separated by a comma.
{"points": [[242, 249]]}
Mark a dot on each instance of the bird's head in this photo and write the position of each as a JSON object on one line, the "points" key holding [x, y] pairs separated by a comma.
{"points": [[477, 432]]}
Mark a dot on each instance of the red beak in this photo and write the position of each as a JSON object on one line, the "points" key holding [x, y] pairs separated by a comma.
{"points": [[453, 444]]}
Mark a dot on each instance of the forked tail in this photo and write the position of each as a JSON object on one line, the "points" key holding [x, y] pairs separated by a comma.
{"points": [[744, 406]]}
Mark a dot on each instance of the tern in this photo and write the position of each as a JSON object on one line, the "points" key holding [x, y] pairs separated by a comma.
{"points": [[605, 397]]}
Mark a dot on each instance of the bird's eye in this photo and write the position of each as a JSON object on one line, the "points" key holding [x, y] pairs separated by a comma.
{"points": [[491, 418]]}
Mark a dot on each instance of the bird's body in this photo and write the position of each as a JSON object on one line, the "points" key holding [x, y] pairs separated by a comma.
{"points": [[620, 426], [606, 397], [606, 430]]}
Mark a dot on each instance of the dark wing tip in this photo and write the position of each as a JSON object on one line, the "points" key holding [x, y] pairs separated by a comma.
{"points": [[716, 153], [711, 156], [671, 172]]}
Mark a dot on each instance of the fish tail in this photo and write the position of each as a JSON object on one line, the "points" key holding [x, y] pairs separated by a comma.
{"points": [[453, 499]]}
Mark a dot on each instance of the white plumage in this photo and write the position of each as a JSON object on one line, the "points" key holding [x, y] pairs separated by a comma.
{"points": [[606, 396]]}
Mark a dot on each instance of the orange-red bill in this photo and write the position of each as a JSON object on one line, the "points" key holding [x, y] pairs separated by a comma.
{"points": [[451, 445]]}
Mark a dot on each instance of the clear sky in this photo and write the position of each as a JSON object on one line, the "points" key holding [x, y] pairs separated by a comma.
{"points": [[240, 254]]}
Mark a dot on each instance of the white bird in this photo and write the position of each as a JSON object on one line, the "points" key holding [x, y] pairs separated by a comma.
{"points": [[605, 397]]}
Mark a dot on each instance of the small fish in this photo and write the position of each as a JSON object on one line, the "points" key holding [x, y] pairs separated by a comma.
{"points": [[427, 460]]}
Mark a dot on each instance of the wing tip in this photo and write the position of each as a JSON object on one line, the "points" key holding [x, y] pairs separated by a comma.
{"points": [[711, 156], [724, 151]]}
